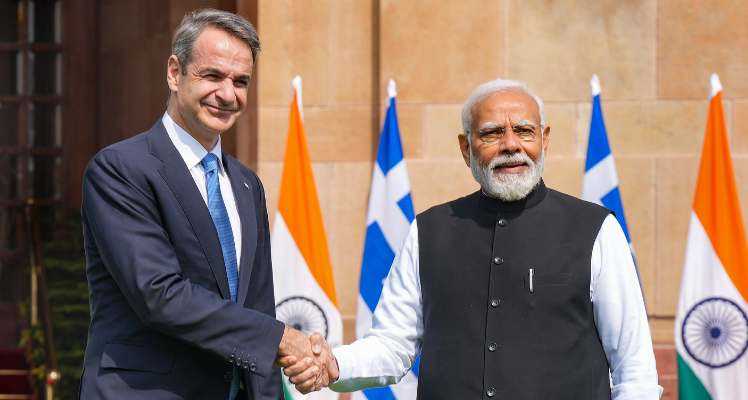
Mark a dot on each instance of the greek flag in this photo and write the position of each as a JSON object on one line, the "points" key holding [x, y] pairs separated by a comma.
{"points": [[387, 223], [600, 184]]}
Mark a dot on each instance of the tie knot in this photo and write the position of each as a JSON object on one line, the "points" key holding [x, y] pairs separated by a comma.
{"points": [[210, 162]]}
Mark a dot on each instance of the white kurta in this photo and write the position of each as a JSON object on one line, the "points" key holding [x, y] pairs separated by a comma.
{"points": [[387, 352]]}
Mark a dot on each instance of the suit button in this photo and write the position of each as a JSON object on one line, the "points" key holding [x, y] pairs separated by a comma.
{"points": [[490, 392], [498, 260], [495, 302], [253, 367], [502, 222], [492, 346]]}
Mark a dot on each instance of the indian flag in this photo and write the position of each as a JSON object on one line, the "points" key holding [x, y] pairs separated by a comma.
{"points": [[711, 327], [304, 287]]}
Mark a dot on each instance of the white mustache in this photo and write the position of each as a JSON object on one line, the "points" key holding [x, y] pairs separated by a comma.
{"points": [[510, 159]]}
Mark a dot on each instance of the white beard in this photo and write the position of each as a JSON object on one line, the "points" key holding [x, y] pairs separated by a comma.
{"points": [[507, 187]]}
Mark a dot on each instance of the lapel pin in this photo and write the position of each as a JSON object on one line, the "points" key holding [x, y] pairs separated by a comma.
{"points": [[245, 185]]}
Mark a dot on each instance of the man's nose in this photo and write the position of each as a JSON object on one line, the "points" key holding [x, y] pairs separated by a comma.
{"points": [[509, 142], [225, 94]]}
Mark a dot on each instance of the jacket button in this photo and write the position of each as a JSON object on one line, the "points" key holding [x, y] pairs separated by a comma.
{"points": [[498, 260], [502, 222], [253, 367], [490, 392], [492, 346], [495, 303]]}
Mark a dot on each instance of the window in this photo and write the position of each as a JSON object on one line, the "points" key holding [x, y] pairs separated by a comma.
{"points": [[30, 120]]}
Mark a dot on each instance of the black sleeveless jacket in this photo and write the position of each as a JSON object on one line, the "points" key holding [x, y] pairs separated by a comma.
{"points": [[486, 334]]}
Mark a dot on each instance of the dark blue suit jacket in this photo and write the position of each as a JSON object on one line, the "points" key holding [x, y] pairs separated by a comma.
{"points": [[162, 322]]}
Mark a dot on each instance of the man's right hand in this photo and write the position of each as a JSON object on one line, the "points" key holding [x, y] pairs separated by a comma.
{"points": [[294, 343], [307, 373]]}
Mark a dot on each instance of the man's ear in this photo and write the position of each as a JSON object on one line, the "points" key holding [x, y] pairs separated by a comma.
{"points": [[464, 147], [173, 73], [546, 137]]}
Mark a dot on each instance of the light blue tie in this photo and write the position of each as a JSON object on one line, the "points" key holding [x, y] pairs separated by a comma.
{"points": [[220, 216]]}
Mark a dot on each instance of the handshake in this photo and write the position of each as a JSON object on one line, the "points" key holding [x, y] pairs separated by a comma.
{"points": [[307, 360]]}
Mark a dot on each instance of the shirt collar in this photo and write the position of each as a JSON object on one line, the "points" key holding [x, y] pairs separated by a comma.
{"points": [[189, 148], [534, 198]]}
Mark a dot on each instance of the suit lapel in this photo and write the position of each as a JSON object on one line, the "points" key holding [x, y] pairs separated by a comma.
{"points": [[180, 181], [245, 204]]}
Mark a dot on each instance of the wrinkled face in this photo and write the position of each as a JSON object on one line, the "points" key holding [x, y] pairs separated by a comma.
{"points": [[211, 91], [506, 148]]}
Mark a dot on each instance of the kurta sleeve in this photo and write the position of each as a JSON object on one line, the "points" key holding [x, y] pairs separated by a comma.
{"points": [[620, 316], [386, 353]]}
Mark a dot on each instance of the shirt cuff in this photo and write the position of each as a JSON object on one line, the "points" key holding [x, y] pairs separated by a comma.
{"points": [[344, 363], [630, 391]]}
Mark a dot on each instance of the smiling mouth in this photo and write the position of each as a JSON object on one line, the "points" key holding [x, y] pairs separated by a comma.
{"points": [[219, 109], [510, 168]]}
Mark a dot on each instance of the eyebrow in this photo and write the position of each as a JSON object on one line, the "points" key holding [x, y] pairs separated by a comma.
{"points": [[524, 122], [211, 70], [489, 126]]}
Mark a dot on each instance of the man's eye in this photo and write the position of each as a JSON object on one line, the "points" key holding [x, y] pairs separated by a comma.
{"points": [[526, 134], [241, 84]]}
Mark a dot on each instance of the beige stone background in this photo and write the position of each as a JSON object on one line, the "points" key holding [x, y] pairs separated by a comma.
{"points": [[653, 58]]}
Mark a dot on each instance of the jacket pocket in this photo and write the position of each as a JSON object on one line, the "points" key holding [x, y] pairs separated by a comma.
{"points": [[552, 279], [135, 357]]}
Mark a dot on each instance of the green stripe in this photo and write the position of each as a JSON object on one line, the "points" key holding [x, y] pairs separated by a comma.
{"points": [[689, 385]]}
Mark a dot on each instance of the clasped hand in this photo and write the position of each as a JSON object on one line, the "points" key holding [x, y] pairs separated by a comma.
{"points": [[307, 360]]}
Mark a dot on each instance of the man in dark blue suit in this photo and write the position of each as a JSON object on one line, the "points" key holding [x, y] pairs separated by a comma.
{"points": [[177, 244]]}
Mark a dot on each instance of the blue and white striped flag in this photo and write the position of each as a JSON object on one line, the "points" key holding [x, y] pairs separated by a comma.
{"points": [[387, 224], [600, 184]]}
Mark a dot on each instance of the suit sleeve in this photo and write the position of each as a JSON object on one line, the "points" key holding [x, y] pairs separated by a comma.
{"points": [[126, 224]]}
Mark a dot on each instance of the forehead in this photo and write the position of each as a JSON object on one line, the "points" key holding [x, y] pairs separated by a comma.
{"points": [[512, 103], [220, 49]]}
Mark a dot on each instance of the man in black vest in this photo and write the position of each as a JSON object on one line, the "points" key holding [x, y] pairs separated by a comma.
{"points": [[516, 291]]}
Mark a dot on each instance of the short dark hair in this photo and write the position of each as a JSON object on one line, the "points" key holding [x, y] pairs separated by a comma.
{"points": [[196, 21]]}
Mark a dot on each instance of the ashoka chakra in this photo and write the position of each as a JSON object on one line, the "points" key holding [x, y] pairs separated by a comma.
{"points": [[715, 332], [303, 314]]}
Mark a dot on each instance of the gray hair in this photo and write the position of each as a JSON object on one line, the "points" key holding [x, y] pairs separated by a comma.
{"points": [[486, 89], [193, 24]]}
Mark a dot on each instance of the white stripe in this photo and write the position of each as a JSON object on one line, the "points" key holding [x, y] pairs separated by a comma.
{"points": [[377, 195], [600, 180], [292, 277], [704, 276], [398, 184], [383, 207]]}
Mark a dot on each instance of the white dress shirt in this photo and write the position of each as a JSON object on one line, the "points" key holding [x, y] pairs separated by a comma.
{"points": [[192, 153], [387, 352]]}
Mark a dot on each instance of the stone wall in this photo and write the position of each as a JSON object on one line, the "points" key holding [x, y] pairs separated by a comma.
{"points": [[653, 58]]}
